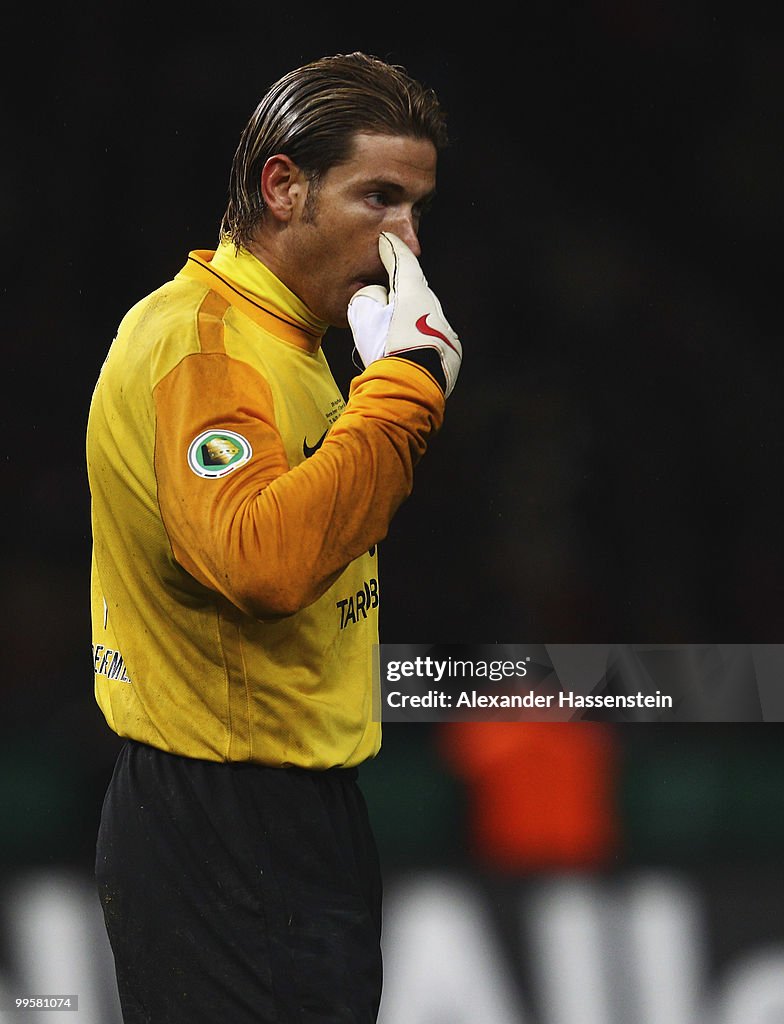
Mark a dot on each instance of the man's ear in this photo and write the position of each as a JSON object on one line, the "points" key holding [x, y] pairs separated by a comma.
{"points": [[283, 186]]}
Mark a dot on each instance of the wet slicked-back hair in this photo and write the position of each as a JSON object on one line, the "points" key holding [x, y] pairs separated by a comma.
{"points": [[313, 113]]}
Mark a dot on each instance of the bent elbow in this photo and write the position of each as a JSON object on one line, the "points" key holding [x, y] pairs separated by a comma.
{"points": [[272, 602]]}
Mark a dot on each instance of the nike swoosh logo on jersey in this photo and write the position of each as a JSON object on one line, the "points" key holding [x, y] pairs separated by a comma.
{"points": [[308, 450], [424, 328]]}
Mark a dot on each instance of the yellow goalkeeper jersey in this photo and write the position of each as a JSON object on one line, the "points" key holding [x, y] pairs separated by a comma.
{"points": [[237, 502]]}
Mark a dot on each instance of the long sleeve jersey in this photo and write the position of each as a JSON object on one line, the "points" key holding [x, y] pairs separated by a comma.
{"points": [[237, 502]]}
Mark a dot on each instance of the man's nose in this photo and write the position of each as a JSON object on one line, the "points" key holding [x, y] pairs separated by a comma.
{"points": [[405, 228]]}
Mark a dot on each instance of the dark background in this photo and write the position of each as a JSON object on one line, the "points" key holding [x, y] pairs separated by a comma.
{"points": [[607, 243]]}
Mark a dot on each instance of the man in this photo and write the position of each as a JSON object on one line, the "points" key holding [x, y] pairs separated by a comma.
{"points": [[237, 505]]}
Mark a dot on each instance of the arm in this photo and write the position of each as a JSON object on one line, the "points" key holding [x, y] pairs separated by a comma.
{"points": [[269, 538]]}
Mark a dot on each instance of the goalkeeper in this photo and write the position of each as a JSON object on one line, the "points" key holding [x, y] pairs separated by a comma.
{"points": [[237, 506]]}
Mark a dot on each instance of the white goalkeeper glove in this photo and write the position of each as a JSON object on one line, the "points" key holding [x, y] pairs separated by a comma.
{"points": [[405, 320]]}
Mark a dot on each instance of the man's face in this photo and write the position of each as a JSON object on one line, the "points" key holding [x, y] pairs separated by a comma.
{"points": [[332, 244]]}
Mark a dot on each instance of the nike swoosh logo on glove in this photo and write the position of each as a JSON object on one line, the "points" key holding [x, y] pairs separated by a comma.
{"points": [[424, 328]]}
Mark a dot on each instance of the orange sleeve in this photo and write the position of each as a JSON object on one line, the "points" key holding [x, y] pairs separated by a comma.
{"points": [[270, 538]]}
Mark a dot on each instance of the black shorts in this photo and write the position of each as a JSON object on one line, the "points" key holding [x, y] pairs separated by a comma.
{"points": [[238, 894]]}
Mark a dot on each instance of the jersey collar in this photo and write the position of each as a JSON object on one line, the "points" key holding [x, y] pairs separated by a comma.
{"points": [[248, 284]]}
